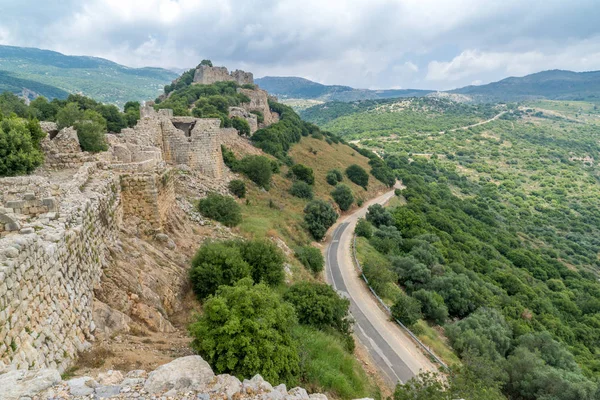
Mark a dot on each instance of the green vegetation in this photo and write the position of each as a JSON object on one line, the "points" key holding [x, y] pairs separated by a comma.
{"points": [[406, 309], [241, 125], [311, 258], [302, 190], [237, 188], [358, 175], [20, 151], [343, 196], [334, 177], [363, 228], [319, 216], [221, 208], [54, 75], [258, 169], [303, 173]]}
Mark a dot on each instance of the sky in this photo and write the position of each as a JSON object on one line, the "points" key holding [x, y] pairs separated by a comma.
{"points": [[375, 44]]}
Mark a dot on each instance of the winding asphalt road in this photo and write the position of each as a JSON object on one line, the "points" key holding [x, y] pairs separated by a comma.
{"points": [[394, 353]]}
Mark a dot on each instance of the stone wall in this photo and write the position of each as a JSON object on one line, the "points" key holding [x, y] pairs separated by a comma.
{"points": [[148, 196], [206, 75], [47, 276]]}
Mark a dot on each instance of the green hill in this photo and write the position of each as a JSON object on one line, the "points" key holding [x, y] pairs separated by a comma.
{"points": [[551, 85], [300, 88], [55, 75]]}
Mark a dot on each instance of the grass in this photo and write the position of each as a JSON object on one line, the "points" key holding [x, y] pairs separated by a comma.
{"points": [[326, 367], [436, 342]]}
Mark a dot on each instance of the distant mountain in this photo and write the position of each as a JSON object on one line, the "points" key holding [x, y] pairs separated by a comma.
{"points": [[551, 85], [55, 75], [300, 88]]}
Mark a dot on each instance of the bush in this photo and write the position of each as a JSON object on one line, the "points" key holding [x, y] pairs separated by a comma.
{"points": [[311, 258], [238, 188], [265, 259], [318, 305], [319, 216], [342, 195], [363, 228], [432, 306], [334, 177], [216, 264], [406, 310], [358, 175], [229, 159], [260, 117], [20, 151], [302, 190], [398, 192], [379, 216], [303, 173], [247, 330], [91, 136], [221, 208], [258, 169], [241, 125]]}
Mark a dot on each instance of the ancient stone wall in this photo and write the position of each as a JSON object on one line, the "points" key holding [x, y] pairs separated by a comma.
{"points": [[206, 75], [259, 101], [47, 275]]}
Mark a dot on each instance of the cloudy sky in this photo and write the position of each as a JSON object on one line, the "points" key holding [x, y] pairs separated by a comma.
{"points": [[429, 44]]}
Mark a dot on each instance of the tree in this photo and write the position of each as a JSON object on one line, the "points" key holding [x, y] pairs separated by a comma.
{"points": [[379, 216], [311, 258], [319, 216], [68, 115], [318, 305], [386, 239], [11, 103], [458, 293], [302, 190], [42, 109], [206, 62], [221, 208], [265, 259], [406, 310], [132, 113], [247, 330], [216, 264], [342, 195], [358, 175], [20, 151], [363, 228], [241, 125], [303, 173], [334, 177], [238, 188], [91, 135], [258, 169], [432, 306]]}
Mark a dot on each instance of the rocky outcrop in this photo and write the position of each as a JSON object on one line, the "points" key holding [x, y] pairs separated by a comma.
{"points": [[259, 101], [184, 378], [239, 112]]}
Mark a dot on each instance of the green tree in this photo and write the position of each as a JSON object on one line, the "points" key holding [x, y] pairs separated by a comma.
{"points": [[302, 190], [42, 109], [432, 306], [303, 173], [363, 228], [342, 195], [241, 125], [68, 115], [379, 216], [221, 208], [216, 264], [132, 112], [206, 62], [20, 151], [334, 177], [91, 134], [406, 309], [247, 330], [238, 188], [258, 169], [11, 103], [358, 175], [311, 258], [319, 216], [265, 259]]}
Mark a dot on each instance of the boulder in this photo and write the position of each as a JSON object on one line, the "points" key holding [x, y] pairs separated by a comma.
{"points": [[21, 383], [185, 374], [108, 320]]}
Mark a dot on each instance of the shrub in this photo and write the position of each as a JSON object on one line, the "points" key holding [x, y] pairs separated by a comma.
{"points": [[432, 306], [363, 228], [342, 195], [302, 190], [238, 188], [229, 159], [318, 305], [303, 173], [379, 216], [258, 169], [91, 136], [358, 175], [216, 264], [311, 258], [334, 177], [20, 151], [260, 117], [247, 330], [398, 192], [406, 310], [319, 216], [241, 125], [265, 259], [221, 208]]}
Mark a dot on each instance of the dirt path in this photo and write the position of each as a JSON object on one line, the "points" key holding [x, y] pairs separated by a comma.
{"points": [[393, 352], [477, 124]]}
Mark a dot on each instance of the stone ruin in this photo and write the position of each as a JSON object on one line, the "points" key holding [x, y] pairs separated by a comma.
{"points": [[206, 75], [56, 225]]}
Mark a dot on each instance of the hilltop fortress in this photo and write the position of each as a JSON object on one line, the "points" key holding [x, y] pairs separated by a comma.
{"points": [[58, 227]]}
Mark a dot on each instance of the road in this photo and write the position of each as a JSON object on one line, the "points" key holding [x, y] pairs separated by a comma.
{"points": [[464, 128], [394, 353]]}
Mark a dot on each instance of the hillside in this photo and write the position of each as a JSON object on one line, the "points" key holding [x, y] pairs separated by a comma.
{"points": [[55, 75], [299, 88], [551, 85]]}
